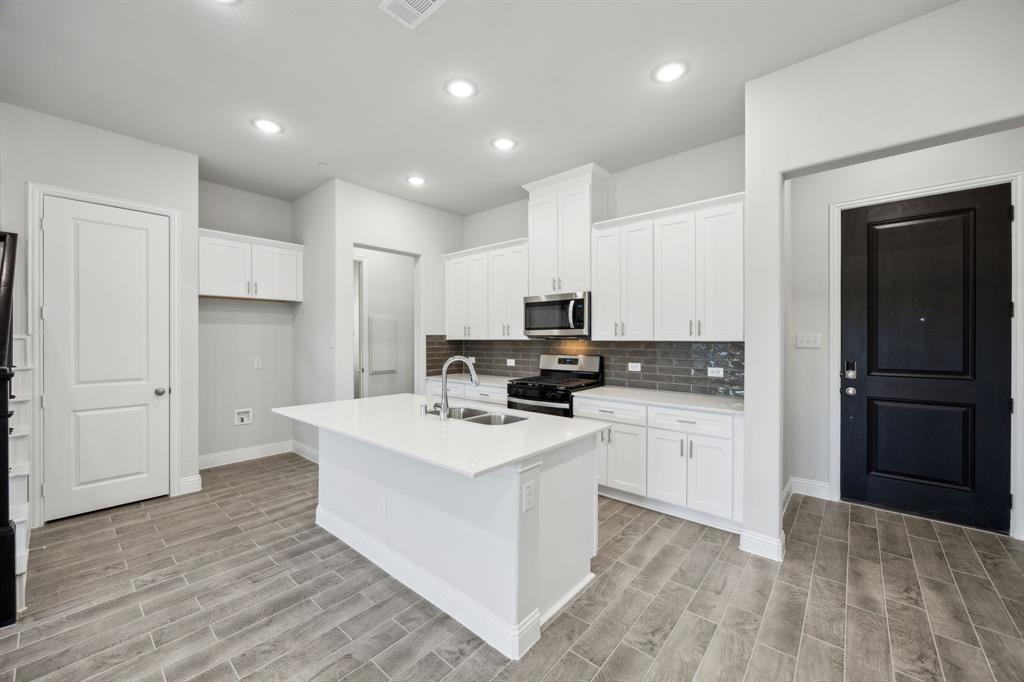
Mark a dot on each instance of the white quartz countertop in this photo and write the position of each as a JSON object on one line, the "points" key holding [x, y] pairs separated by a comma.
{"points": [[485, 379], [709, 403], [394, 423]]}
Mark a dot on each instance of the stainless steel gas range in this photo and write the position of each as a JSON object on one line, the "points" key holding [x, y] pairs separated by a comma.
{"points": [[551, 391]]}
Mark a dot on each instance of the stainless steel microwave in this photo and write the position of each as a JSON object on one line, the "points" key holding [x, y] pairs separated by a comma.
{"points": [[558, 315]]}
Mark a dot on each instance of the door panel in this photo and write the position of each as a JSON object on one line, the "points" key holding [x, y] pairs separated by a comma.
{"points": [[455, 295], [543, 230], [497, 293], [106, 433], [627, 458], [275, 273], [675, 277], [224, 268], [720, 273], [637, 281], [926, 334], [518, 290], [606, 289], [574, 239], [709, 475], [666, 466], [476, 299]]}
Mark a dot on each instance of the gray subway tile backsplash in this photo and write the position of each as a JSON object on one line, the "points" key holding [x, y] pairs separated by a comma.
{"points": [[665, 365]]}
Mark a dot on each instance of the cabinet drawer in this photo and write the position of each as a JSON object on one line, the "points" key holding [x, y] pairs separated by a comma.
{"points": [[485, 394], [691, 421], [454, 390], [622, 413]]}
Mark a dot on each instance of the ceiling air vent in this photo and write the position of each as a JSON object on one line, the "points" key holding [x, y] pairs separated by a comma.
{"points": [[410, 13]]}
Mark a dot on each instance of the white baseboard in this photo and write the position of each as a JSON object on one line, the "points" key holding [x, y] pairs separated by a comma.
{"points": [[216, 459], [304, 450], [804, 486], [511, 639], [557, 607], [189, 484], [763, 545], [671, 509]]}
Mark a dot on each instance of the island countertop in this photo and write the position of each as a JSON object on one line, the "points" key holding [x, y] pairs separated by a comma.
{"points": [[394, 423]]}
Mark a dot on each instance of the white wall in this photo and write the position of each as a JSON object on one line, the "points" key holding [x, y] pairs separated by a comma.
{"points": [[388, 280], [313, 365], [233, 333], [807, 375], [700, 173], [53, 151], [952, 71]]}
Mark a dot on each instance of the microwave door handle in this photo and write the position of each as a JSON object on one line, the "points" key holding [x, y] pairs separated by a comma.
{"points": [[569, 308]]}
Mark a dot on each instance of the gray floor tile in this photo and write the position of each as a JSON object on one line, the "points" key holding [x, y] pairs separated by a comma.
{"points": [[913, 647], [864, 516], [729, 652], [557, 639], [601, 638], [825, 618], [867, 646], [830, 559], [961, 661], [892, 538], [797, 564], [900, 578], [1005, 574], [929, 559], [714, 593], [784, 618], [768, 665], [625, 663], [697, 563], [1005, 655], [864, 585], [653, 627], [946, 611], [921, 528], [684, 649], [571, 668], [984, 606], [819, 662]]}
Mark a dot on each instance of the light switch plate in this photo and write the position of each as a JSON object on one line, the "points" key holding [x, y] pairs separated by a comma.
{"points": [[257, 362], [806, 340], [634, 367], [716, 372], [510, 362]]}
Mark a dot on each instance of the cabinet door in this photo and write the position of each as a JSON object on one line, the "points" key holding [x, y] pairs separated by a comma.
{"points": [[276, 273], [637, 281], [476, 299], [720, 273], [518, 264], [224, 267], [675, 278], [455, 297], [498, 294], [574, 239], [602, 455], [666, 466], [709, 475], [627, 458], [606, 284], [543, 233]]}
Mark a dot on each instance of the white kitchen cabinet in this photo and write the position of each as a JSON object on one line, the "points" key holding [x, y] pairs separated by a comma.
{"points": [[627, 458], [622, 288], [236, 266], [456, 283], [666, 466], [709, 482], [675, 277], [507, 279], [601, 454], [476, 299], [561, 210], [719, 290]]}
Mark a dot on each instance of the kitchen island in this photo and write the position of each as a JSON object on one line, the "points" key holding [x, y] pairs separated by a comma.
{"points": [[493, 524]]}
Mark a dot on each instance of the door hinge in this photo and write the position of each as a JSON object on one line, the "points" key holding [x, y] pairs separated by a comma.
{"points": [[1011, 405], [1011, 500], [1011, 213], [1011, 308]]}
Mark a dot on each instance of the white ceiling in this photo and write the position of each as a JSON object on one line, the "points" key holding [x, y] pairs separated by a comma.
{"points": [[570, 80]]}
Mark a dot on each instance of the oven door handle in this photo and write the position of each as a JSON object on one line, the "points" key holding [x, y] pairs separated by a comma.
{"points": [[538, 403]]}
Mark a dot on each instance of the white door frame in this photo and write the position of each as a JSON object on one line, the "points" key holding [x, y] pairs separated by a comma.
{"points": [[1016, 180], [364, 361], [36, 193]]}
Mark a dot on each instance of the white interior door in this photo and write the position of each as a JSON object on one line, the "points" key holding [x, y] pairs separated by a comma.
{"points": [[106, 355], [720, 273], [675, 276], [497, 293]]}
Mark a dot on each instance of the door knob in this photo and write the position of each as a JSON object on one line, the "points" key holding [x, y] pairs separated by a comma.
{"points": [[160, 391], [850, 390]]}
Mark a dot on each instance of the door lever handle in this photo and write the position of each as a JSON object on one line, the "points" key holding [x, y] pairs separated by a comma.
{"points": [[160, 391]]}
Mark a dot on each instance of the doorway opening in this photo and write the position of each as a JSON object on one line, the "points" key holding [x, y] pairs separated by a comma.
{"points": [[926, 297], [383, 322]]}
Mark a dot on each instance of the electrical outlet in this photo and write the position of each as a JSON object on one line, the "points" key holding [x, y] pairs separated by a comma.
{"points": [[805, 340], [529, 495], [716, 372], [634, 367], [257, 362], [330, 341], [510, 362], [472, 359], [243, 416], [382, 507]]}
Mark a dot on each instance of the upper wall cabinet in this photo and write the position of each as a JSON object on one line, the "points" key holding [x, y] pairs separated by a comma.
{"points": [[694, 266], [484, 290], [236, 266], [561, 211]]}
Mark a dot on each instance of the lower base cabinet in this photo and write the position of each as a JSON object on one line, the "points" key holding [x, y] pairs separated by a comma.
{"points": [[666, 466], [690, 471], [627, 458]]}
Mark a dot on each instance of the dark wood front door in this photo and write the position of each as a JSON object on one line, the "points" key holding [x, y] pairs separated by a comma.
{"points": [[926, 291]]}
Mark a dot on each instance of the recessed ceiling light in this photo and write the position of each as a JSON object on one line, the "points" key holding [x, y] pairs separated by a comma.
{"points": [[460, 87], [667, 73], [503, 143], [265, 125], [416, 181]]}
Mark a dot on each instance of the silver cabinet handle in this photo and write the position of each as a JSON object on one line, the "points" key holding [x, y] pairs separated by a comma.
{"points": [[255, 288], [160, 391], [606, 411], [609, 434], [686, 421], [484, 395], [691, 449], [699, 332], [691, 327], [622, 326], [559, 282], [553, 287], [616, 329], [602, 435], [682, 447]]}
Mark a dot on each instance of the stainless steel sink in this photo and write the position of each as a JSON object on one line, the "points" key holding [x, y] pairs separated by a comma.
{"points": [[493, 419], [462, 412]]}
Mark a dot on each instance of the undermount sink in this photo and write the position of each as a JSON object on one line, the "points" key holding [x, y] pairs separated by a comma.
{"points": [[461, 412], [494, 419]]}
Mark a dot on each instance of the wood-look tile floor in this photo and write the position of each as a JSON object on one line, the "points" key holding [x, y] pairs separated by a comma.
{"points": [[238, 582]]}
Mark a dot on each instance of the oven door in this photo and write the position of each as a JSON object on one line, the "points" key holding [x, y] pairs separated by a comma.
{"points": [[557, 315], [541, 406]]}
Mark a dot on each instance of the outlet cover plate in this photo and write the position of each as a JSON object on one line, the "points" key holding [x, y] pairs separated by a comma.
{"points": [[634, 367], [808, 340], [716, 372], [243, 416], [510, 362]]}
